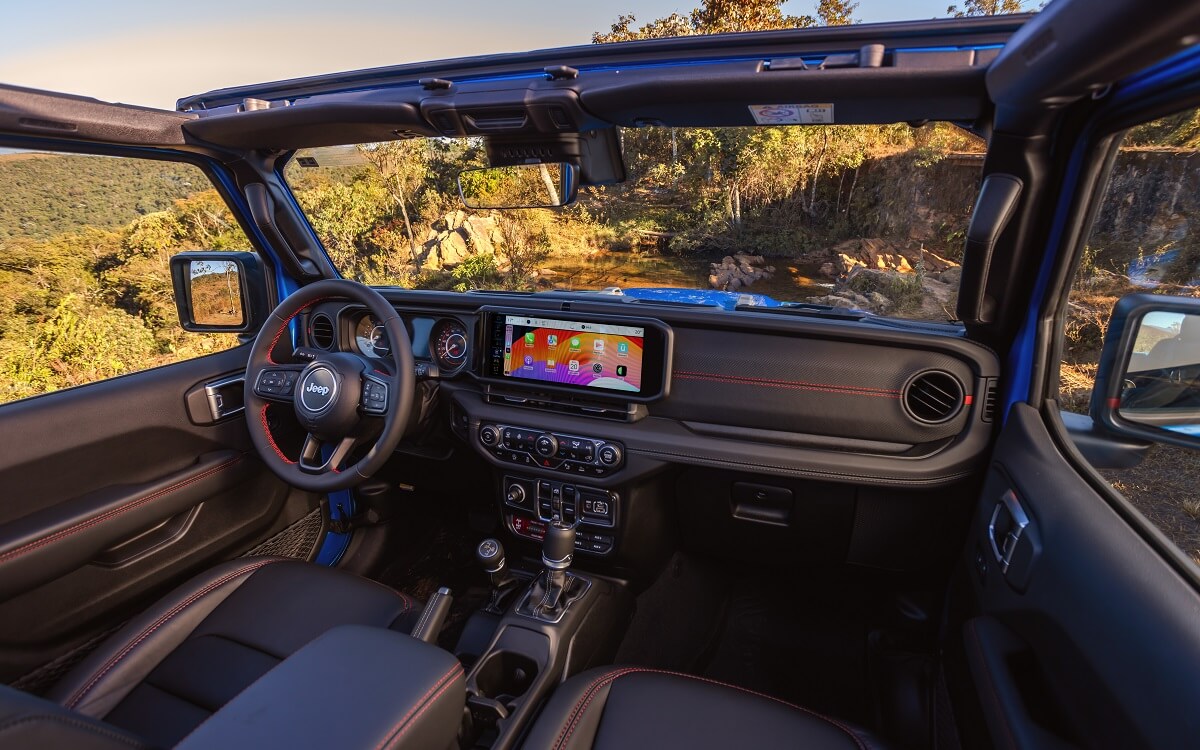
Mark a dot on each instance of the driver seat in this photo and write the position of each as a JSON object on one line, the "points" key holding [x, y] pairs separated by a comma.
{"points": [[173, 666]]}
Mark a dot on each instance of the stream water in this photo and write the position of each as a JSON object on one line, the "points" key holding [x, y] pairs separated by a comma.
{"points": [[791, 281]]}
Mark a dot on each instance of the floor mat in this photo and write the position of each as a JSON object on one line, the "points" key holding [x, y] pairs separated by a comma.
{"points": [[803, 642], [438, 549]]}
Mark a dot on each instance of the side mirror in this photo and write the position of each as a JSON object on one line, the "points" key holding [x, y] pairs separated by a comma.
{"points": [[1148, 382], [519, 186], [219, 292]]}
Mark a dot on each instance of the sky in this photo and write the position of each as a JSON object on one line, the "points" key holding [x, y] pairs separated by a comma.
{"points": [[152, 52]]}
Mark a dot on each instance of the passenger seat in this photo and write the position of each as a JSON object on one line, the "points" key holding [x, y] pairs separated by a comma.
{"points": [[634, 707]]}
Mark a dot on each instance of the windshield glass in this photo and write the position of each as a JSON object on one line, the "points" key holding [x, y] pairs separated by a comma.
{"points": [[860, 217]]}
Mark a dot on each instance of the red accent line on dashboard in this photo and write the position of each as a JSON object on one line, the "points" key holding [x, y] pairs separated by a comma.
{"points": [[845, 390]]}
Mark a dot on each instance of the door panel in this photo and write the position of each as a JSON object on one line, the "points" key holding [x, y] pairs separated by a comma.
{"points": [[1101, 648], [112, 495]]}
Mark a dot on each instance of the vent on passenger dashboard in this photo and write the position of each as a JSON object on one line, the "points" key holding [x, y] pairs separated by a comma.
{"points": [[320, 331], [933, 397]]}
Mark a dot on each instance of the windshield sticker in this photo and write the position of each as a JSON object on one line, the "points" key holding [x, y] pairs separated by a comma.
{"points": [[792, 114]]}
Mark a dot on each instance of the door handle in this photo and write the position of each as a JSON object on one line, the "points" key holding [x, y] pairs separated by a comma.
{"points": [[1013, 540]]}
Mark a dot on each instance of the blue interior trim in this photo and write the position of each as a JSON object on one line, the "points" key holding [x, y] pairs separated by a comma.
{"points": [[1020, 363]]}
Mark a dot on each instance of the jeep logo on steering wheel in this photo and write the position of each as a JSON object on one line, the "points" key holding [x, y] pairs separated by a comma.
{"points": [[317, 390]]}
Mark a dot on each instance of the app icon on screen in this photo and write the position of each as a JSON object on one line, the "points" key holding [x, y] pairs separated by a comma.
{"points": [[549, 364], [529, 360], [622, 348], [529, 338], [597, 368], [598, 346], [621, 370], [575, 344], [552, 339], [574, 366]]}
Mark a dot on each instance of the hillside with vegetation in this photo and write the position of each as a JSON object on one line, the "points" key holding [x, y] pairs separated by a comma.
{"points": [[86, 294]]}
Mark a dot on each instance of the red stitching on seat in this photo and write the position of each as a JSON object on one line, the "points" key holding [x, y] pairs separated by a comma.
{"points": [[283, 327], [585, 700], [37, 543], [271, 438], [425, 702], [845, 390], [111, 663]]}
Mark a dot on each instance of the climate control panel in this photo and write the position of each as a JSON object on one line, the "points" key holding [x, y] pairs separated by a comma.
{"points": [[572, 454]]}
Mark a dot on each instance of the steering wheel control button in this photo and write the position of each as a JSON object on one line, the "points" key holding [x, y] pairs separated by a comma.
{"points": [[374, 396], [276, 383], [570, 454]]}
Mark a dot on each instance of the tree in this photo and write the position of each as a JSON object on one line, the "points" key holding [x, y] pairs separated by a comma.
{"points": [[836, 12], [401, 166], [719, 17], [986, 8]]}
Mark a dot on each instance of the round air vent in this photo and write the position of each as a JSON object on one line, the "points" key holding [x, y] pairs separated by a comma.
{"points": [[320, 331], [933, 397]]}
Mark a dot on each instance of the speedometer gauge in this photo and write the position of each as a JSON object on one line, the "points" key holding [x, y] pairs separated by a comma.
{"points": [[371, 338], [450, 344]]}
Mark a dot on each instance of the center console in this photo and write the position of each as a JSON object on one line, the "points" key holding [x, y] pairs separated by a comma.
{"points": [[554, 383], [560, 394]]}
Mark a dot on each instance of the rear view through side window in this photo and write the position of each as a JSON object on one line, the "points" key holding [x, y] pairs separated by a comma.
{"points": [[1146, 238], [85, 283]]}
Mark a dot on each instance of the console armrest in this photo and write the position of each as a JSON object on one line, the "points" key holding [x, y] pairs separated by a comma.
{"points": [[354, 687]]}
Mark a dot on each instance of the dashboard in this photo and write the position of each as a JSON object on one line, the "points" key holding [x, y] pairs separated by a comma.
{"points": [[840, 431]]}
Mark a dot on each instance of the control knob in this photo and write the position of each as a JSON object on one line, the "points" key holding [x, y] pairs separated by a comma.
{"points": [[609, 454], [546, 446], [489, 435], [516, 494]]}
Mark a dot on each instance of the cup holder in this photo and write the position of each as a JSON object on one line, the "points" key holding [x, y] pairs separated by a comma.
{"points": [[505, 675]]}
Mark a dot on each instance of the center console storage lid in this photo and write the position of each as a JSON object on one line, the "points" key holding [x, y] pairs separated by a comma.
{"points": [[354, 687]]}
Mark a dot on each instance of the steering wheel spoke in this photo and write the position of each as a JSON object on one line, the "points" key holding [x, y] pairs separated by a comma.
{"points": [[313, 460], [277, 382]]}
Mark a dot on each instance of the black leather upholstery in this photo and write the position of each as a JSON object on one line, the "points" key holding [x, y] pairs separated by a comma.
{"points": [[173, 666], [354, 687], [633, 708], [37, 724]]}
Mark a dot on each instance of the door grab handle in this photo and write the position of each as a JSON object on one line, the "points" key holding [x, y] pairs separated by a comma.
{"points": [[1010, 528]]}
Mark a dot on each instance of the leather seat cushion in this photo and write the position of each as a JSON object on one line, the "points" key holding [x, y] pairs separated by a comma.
{"points": [[169, 669], [634, 708]]}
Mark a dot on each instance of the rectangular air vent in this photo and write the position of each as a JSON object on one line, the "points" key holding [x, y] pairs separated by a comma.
{"points": [[988, 411]]}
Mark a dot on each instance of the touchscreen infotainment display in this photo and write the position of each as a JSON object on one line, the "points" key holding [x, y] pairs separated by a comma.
{"points": [[574, 353]]}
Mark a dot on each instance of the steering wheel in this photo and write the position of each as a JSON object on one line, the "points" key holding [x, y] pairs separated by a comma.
{"points": [[341, 399]]}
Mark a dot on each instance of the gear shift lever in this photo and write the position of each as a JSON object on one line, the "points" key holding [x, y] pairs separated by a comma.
{"points": [[558, 550], [490, 554], [551, 593]]}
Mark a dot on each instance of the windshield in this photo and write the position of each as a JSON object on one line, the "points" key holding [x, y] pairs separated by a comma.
{"points": [[868, 218]]}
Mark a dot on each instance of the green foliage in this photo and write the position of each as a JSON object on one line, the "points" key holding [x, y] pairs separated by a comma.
{"points": [[82, 302], [1180, 130], [476, 272], [986, 8], [48, 194]]}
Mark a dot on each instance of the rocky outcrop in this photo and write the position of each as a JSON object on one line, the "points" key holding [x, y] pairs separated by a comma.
{"points": [[890, 292], [882, 255], [738, 271], [457, 236]]}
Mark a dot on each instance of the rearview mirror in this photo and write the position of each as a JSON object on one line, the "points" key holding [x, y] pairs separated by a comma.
{"points": [[218, 292], [1148, 383], [519, 186]]}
